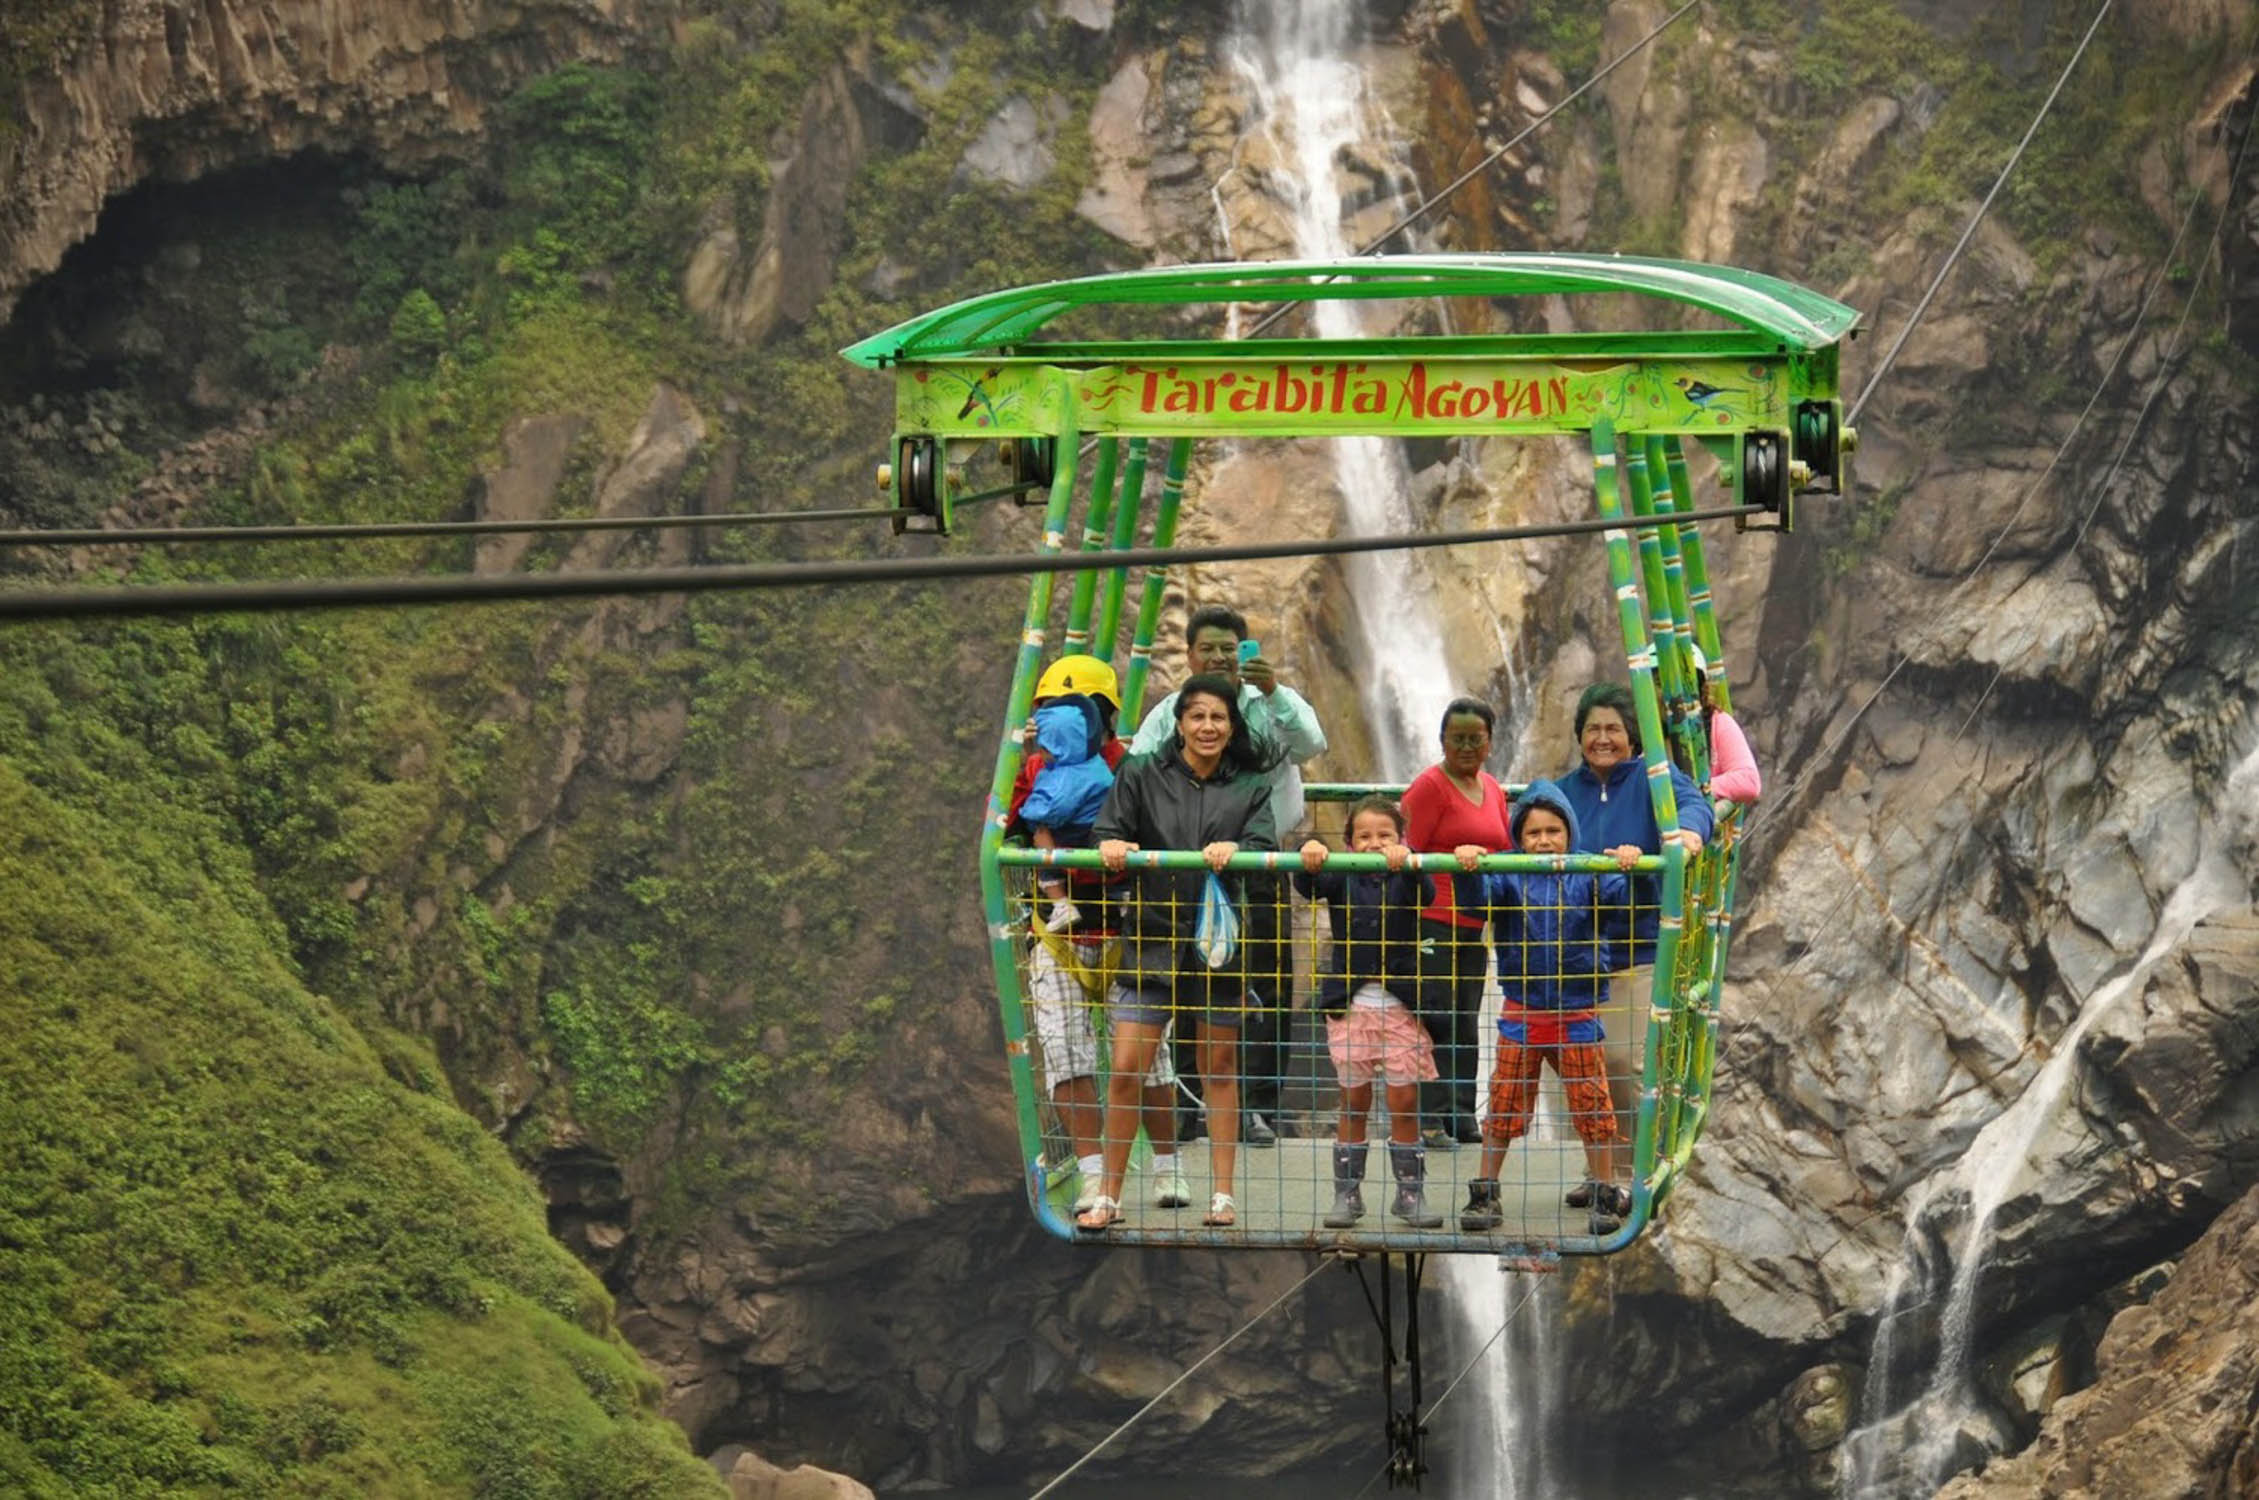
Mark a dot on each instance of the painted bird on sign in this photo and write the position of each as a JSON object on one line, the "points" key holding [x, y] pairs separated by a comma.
{"points": [[1698, 394], [977, 394]]}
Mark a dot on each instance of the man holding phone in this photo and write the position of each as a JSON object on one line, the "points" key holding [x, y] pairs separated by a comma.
{"points": [[1216, 641]]}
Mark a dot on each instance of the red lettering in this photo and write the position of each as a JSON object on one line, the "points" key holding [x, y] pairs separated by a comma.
{"points": [[1183, 395], [1413, 403], [1152, 392], [1340, 388], [1371, 398], [1558, 388], [1292, 394], [1477, 403], [1443, 401]]}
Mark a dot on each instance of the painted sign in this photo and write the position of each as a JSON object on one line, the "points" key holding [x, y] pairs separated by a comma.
{"points": [[1279, 398]]}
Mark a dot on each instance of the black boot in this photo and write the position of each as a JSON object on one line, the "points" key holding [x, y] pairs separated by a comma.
{"points": [[1410, 1164], [1483, 1210], [1611, 1204], [1348, 1186]]}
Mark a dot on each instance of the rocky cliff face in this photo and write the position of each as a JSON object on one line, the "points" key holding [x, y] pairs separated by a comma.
{"points": [[2169, 1413], [2002, 702], [1999, 705], [156, 90]]}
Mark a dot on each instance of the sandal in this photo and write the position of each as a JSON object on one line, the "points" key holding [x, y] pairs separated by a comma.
{"points": [[1222, 1212], [1579, 1196], [1103, 1214]]}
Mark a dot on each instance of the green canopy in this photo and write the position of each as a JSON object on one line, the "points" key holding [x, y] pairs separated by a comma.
{"points": [[1800, 319]]}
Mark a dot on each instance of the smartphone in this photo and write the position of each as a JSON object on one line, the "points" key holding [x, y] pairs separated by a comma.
{"points": [[1249, 650]]}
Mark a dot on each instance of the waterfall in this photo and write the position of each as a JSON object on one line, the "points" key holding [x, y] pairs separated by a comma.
{"points": [[1311, 105], [1999, 1160]]}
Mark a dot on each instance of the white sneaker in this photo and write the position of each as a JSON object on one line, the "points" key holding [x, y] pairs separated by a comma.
{"points": [[1170, 1190]]}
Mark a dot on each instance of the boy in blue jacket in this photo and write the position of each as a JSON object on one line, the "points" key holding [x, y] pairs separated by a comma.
{"points": [[1553, 965]]}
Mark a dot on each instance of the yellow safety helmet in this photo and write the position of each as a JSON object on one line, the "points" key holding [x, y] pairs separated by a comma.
{"points": [[1080, 674]]}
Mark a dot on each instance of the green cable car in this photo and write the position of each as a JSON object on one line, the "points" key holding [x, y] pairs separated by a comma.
{"points": [[979, 381]]}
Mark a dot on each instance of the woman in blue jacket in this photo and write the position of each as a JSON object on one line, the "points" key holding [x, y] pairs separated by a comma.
{"points": [[1608, 792]]}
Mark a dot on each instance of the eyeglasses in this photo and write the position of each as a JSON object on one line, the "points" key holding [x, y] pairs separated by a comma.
{"points": [[1465, 741]]}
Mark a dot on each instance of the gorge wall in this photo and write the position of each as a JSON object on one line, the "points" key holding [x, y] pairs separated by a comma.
{"points": [[656, 886]]}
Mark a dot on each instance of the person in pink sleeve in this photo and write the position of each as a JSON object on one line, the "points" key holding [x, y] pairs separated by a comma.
{"points": [[1455, 807], [1733, 769]]}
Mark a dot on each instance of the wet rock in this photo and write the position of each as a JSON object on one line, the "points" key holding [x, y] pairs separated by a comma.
{"points": [[2169, 1413], [173, 92], [753, 1477], [534, 453], [1115, 199], [1090, 15], [745, 297], [1014, 148]]}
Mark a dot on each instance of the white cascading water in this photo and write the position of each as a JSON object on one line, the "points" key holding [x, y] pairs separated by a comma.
{"points": [[1999, 1161], [1310, 101]]}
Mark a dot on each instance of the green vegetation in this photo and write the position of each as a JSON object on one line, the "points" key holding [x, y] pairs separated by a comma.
{"points": [[234, 1254], [318, 916]]}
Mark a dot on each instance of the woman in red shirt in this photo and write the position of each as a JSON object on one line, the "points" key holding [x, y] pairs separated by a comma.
{"points": [[1456, 807]]}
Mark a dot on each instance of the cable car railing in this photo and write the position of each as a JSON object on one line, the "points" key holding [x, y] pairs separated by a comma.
{"points": [[979, 382]]}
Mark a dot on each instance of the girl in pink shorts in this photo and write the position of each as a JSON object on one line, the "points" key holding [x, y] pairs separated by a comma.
{"points": [[1366, 994]]}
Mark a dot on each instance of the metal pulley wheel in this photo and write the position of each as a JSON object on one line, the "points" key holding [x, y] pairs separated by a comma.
{"points": [[1817, 438], [918, 484], [1764, 471]]}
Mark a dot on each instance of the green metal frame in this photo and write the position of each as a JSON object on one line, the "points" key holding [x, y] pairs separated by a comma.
{"points": [[975, 372]]}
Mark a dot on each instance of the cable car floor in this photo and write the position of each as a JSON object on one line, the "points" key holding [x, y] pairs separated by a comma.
{"points": [[1288, 1188]]}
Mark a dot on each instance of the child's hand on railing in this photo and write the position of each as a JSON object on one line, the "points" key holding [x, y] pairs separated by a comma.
{"points": [[1314, 856], [1687, 838], [1467, 854], [1395, 854], [1114, 854], [1626, 855], [1219, 854]]}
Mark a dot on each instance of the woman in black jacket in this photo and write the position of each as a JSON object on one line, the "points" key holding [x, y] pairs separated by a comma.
{"points": [[1207, 790]]}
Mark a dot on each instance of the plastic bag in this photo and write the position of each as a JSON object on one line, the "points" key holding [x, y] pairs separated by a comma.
{"points": [[1216, 938]]}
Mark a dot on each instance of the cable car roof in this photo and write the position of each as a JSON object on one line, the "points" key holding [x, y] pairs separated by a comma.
{"points": [[1798, 318]]}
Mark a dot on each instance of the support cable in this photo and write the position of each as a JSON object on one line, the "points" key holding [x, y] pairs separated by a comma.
{"points": [[1851, 417], [1814, 763], [1464, 1371], [2164, 367], [1194, 1368], [189, 599], [372, 530], [1430, 204]]}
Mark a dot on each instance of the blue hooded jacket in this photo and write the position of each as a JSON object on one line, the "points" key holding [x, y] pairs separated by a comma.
{"points": [[1072, 786], [1549, 933], [1619, 811]]}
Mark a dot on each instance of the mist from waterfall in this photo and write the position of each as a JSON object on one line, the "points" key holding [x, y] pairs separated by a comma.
{"points": [[1913, 1447], [1296, 57]]}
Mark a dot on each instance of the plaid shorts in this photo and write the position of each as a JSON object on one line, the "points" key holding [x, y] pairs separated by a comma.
{"points": [[1066, 1034], [1583, 1070]]}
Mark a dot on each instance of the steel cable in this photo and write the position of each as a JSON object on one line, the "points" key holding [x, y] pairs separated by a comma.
{"points": [[188, 599], [1190, 1370]]}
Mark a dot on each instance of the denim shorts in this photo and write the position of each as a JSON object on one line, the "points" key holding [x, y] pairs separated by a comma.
{"points": [[1217, 1000]]}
